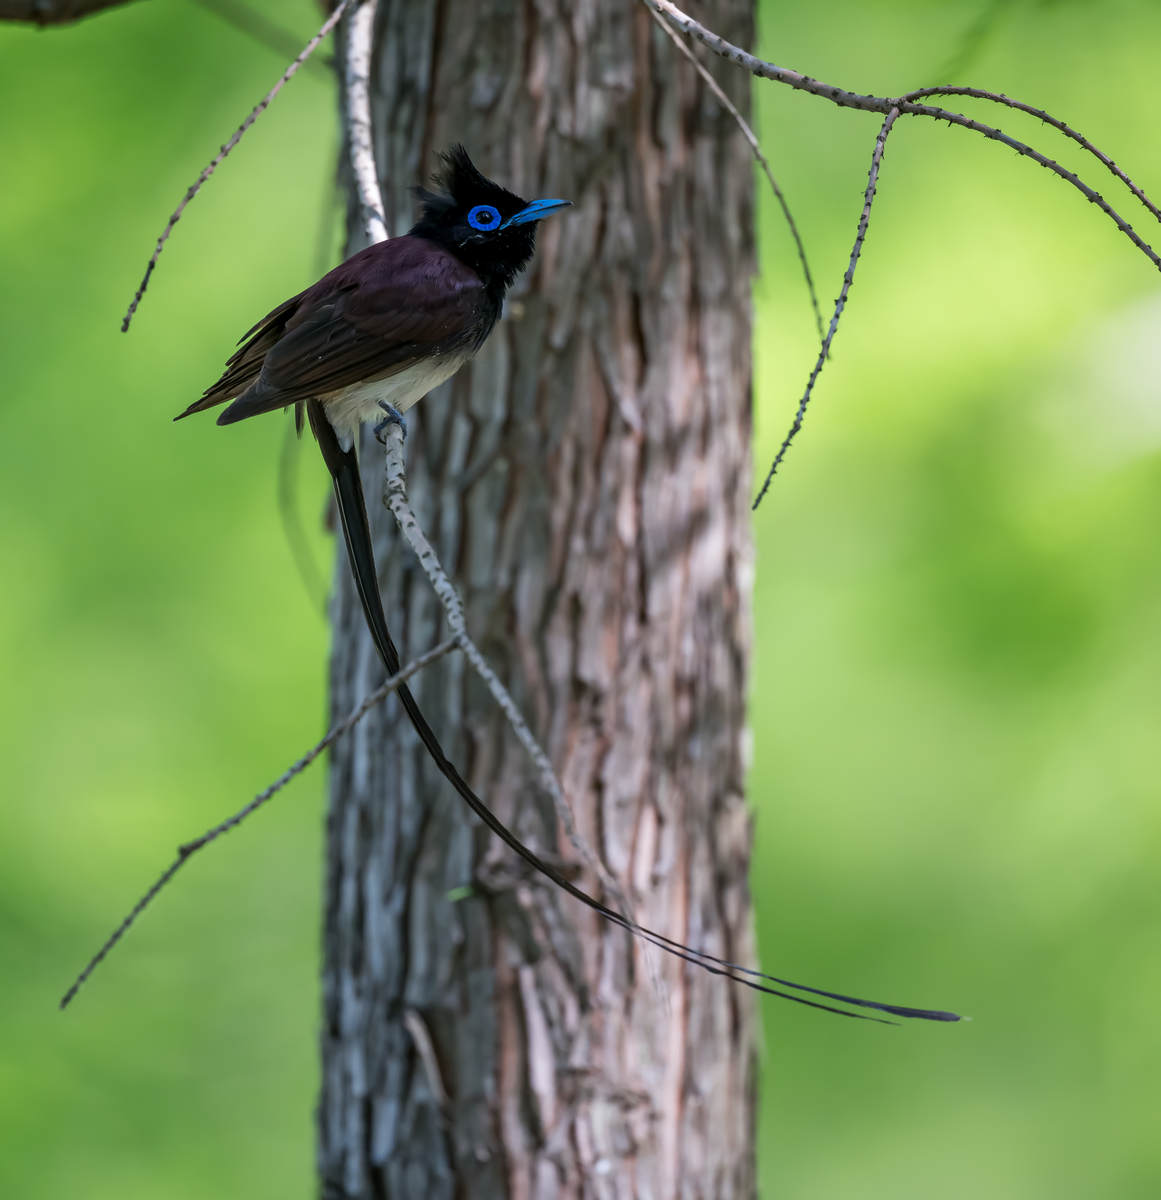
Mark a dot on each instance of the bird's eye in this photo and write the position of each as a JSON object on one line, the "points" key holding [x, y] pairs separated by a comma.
{"points": [[484, 217]]}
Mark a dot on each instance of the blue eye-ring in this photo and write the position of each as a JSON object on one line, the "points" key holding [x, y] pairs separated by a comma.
{"points": [[484, 217]]}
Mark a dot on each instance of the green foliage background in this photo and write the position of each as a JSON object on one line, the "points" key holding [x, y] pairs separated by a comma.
{"points": [[958, 633]]}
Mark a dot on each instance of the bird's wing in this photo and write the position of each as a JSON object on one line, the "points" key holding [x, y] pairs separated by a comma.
{"points": [[427, 304], [374, 315]]}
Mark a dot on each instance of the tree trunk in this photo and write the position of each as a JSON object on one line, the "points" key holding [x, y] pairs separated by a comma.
{"points": [[585, 482]]}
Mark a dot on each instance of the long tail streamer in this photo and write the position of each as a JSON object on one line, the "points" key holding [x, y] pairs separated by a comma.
{"points": [[344, 470]]}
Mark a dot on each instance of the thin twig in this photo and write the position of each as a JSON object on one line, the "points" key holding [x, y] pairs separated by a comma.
{"points": [[755, 148], [186, 851], [997, 135], [214, 163], [395, 499], [893, 108], [357, 82], [757, 66], [839, 304], [883, 104], [1048, 119]]}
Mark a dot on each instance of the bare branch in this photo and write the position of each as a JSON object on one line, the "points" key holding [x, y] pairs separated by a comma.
{"points": [[839, 304], [908, 108], [761, 68], [1048, 119], [215, 162], [756, 149], [893, 108], [881, 104], [186, 851], [357, 82]]}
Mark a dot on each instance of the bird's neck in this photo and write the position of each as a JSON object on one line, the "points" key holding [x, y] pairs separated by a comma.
{"points": [[497, 271]]}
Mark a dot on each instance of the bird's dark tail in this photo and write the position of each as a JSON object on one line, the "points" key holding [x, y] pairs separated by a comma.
{"points": [[344, 470]]}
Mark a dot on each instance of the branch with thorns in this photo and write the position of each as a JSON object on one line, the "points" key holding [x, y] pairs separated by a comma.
{"points": [[839, 304], [908, 105]]}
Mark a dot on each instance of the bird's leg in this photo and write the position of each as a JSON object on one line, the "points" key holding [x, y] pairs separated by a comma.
{"points": [[393, 417]]}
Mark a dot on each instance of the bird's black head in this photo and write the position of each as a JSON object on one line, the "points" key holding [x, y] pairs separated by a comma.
{"points": [[488, 227]]}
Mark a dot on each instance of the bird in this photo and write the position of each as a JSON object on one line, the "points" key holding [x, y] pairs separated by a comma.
{"points": [[396, 319], [373, 336]]}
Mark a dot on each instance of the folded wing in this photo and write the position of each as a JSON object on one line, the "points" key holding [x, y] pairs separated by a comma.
{"points": [[381, 311]]}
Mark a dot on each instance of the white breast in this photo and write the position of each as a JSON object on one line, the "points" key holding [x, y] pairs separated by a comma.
{"points": [[350, 406]]}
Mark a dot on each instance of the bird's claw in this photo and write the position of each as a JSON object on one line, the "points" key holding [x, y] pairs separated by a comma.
{"points": [[393, 417]]}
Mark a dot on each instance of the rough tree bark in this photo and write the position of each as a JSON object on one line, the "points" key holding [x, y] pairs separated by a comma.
{"points": [[586, 483]]}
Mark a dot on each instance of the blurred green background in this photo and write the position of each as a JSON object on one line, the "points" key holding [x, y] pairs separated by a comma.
{"points": [[955, 703]]}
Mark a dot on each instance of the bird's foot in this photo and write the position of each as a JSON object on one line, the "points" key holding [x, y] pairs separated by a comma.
{"points": [[393, 417]]}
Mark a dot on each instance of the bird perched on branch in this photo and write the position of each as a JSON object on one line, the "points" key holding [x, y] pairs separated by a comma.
{"points": [[378, 333], [385, 327]]}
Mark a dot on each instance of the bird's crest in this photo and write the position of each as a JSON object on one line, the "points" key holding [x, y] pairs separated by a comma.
{"points": [[460, 184]]}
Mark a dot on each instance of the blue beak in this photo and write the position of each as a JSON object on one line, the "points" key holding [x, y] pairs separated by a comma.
{"points": [[536, 211]]}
